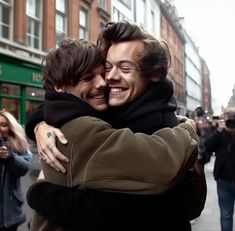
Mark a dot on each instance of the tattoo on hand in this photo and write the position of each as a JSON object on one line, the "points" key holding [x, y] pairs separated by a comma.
{"points": [[49, 134]]}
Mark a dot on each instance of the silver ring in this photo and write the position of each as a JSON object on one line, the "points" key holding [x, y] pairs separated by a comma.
{"points": [[51, 148]]}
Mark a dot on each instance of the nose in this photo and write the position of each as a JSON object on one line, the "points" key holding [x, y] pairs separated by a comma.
{"points": [[113, 74], [100, 82]]}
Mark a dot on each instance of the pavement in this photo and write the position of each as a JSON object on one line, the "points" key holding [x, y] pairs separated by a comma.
{"points": [[208, 221]]}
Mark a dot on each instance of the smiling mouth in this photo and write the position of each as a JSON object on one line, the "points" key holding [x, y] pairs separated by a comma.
{"points": [[116, 90], [97, 96]]}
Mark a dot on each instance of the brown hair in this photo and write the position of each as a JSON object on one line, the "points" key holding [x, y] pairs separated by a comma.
{"points": [[156, 58], [65, 65]]}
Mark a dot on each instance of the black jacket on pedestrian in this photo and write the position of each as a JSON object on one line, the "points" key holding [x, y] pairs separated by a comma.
{"points": [[223, 144], [78, 209]]}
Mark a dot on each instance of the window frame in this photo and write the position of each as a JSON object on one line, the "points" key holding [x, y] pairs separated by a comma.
{"points": [[84, 28], [34, 20], [64, 15], [2, 24]]}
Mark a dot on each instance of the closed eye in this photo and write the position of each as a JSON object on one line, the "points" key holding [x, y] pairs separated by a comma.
{"points": [[87, 78]]}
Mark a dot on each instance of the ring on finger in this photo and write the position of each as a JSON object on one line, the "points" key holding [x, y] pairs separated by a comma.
{"points": [[51, 148], [40, 155]]}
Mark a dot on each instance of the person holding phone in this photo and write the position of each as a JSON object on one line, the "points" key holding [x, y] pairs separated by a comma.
{"points": [[14, 162]]}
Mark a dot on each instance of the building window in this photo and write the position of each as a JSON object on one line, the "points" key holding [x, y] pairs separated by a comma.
{"points": [[141, 17], [5, 18], [33, 11], [103, 4], [34, 98], [61, 20], [10, 95], [118, 16], [127, 3], [83, 30], [102, 25]]}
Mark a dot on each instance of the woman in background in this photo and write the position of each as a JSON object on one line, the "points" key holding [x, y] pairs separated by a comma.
{"points": [[15, 159]]}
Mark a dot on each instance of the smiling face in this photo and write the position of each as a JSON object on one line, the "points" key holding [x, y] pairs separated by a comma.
{"points": [[123, 74], [91, 88]]}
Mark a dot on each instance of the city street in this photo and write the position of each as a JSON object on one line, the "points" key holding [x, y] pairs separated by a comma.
{"points": [[208, 221]]}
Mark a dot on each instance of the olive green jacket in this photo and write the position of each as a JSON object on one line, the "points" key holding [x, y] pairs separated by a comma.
{"points": [[118, 160]]}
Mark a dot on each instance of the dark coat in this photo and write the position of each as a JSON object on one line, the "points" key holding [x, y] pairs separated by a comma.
{"points": [[11, 196], [223, 144]]}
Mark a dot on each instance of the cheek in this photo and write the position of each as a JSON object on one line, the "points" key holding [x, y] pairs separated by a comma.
{"points": [[5, 130]]}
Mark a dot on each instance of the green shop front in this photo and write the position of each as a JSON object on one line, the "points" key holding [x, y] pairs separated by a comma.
{"points": [[21, 87]]}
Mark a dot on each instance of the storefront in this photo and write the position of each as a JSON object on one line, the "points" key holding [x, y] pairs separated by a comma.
{"points": [[20, 87]]}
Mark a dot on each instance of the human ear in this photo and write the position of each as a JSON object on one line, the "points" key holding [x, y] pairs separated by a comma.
{"points": [[58, 88]]}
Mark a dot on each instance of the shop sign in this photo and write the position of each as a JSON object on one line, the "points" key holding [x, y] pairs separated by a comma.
{"points": [[26, 74], [37, 77]]}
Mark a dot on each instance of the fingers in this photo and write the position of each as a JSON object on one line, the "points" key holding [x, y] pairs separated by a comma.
{"points": [[60, 136], [4, 154], [53, 156], [54, 163], [46, 144], [51, 160], [181, 119], [57, 154]]}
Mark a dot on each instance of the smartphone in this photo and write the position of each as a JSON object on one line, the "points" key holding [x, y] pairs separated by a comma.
{"points": [[2, 141]]}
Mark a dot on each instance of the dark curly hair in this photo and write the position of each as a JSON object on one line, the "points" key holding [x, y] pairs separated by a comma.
{"points": [[155, 59], [65, 65]]}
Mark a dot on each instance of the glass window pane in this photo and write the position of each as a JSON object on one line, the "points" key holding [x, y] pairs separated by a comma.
{"points": [[29, 41], [10, 89], [6, 15], [36, 29], [13, 106], [83, 17], [59, 23], [33, 8], [5, 32], [30, 7], [81, 34], [29, 26], [37, 10], [59, 36], [36, 43], [60, 5], [35, 92]]}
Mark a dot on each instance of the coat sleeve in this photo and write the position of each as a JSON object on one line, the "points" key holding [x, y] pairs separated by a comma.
{"points": [[118, 160], [18, 164], [34, 119], [73, 207]]}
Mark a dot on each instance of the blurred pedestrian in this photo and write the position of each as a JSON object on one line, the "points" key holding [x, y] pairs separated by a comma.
{"points": [[222, 142], [14, 162]]}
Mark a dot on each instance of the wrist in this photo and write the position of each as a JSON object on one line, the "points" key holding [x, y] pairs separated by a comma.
{"points": [[38, 125]]}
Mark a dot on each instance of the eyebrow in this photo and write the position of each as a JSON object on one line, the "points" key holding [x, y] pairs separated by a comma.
{"points": [[121, 62]]}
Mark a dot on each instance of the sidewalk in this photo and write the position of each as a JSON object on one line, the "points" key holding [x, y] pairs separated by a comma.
{"points": [[210, 217]]}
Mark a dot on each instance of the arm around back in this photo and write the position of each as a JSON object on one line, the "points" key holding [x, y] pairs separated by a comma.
{"points": [[118, 160]]}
